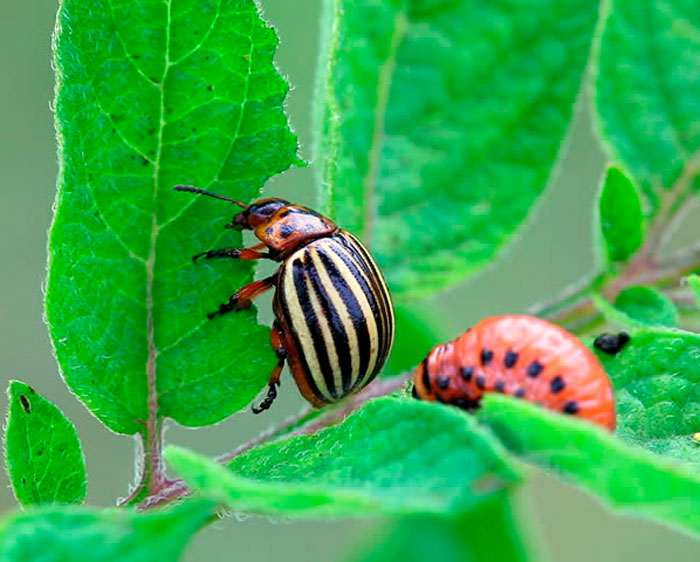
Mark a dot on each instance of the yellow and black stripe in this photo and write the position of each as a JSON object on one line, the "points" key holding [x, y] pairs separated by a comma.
{"points": [[336, 307]]}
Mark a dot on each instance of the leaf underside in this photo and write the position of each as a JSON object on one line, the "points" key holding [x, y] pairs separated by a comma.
{"points": [[439, 124], [394, 456], [52, 534], [627, 478], [491, 533], [645, 89], [42, 451], [151, 95]]}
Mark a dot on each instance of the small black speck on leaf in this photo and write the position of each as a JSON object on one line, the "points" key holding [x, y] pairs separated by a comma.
{"points": [[26, 406], [611, 344]]}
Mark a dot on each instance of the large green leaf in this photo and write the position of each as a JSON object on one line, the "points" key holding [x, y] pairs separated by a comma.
{"points": [[42, 451], [439, 122], [657, 389], [395, 456], [627, 478], [488, 533], [152, 94], [621, 216], [53, 534], [645, 89]]}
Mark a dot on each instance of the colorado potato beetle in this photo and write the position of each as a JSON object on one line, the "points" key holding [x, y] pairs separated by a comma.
{"points": [[522, 356], [334, 320]]}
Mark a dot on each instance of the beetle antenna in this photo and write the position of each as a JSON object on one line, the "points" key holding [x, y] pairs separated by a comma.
{"points": [[192, 189]]}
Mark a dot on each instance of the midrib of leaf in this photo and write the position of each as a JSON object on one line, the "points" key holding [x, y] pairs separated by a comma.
{"points": [[386, 73], [153, 437], [154, 469]]}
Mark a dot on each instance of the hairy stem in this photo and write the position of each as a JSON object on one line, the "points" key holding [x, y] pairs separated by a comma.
{"points": [[178, 489]]}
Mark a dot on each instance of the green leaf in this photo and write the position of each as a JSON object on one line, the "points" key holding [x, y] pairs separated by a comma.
{"points": [[621, 216], [53, 534], [392, 457], [487, 533], [42, 451], [645, 90], [438, 125], [639, 306], [151, 95], [657, 389], [648, 306], [419, 327], [694, 282], [626, 478]]}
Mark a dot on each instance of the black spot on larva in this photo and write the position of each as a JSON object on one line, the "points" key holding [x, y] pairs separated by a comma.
{"points": [[557, 384], [571, 407], [611, 344], [486, 356], [443, 382], [534, 369], [500, 386], [520, 393], [414, 392], [286, 230], [510, 359], [466, 403], [480, 382], [285, 213], [426, 375], [24, 401], [466, 373]]}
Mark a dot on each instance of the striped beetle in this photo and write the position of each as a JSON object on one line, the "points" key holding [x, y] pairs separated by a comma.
{"points": [[334, 320]]}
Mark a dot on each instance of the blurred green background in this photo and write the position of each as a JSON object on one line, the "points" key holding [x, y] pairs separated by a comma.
{"points": [[553, 251]]}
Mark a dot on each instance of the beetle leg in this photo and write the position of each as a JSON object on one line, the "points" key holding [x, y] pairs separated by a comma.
{"points": [[243, 297], [276, 340], [252, 253]]}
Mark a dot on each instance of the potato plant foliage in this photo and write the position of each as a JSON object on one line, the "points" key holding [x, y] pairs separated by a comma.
{"points": [[438, 125]]}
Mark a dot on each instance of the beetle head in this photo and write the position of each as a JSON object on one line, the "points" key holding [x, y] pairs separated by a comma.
{"points": [[257, 214]]}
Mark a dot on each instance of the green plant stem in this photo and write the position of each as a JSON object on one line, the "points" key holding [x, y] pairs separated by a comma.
{"points": [[644, 268], [176, 489]]}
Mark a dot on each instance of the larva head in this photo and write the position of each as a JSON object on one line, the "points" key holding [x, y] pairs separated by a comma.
{"points": [[277, 223]]}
